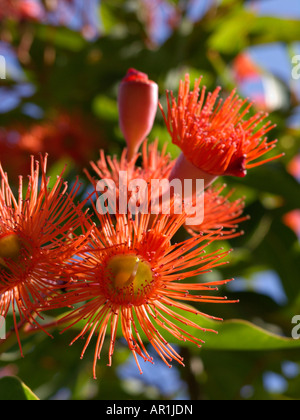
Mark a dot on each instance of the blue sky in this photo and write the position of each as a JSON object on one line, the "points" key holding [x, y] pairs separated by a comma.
{"points": [[282, 8]]}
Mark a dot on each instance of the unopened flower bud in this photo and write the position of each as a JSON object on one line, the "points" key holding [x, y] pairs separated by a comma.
{"points": [[137, 102]]}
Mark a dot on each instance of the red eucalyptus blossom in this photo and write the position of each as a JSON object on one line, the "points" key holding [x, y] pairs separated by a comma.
{"points": [[132, 278], [156, 164], [38, 241], [214, 135], [220, 213], [67, 135]]}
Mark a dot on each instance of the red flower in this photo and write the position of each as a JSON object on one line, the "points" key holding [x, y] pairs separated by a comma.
{"points": [[220, 213], [293, 167], [132, 276], [155, 165], [65, 136], [37, 242], [126, 184], [292, 220], [10, 151], [214, 136], [21, 9], [245, 68]]}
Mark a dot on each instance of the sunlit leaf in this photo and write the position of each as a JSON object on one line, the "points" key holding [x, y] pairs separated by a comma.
{"points": [[13, 389]]}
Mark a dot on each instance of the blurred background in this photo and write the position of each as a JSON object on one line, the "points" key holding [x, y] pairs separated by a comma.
{"points": [[64, 60]]}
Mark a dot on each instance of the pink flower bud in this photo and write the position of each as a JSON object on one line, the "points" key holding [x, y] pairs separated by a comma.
{"points": [[137, 102]]}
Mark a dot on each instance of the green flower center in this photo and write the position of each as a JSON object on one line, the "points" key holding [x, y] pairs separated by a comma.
{"points": [[128, 279], [10, 247]]}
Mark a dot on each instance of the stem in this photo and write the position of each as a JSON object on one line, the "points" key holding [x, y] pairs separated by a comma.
{"points": [[191, 380]]}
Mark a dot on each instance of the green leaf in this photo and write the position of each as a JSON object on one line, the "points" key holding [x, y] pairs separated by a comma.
{"points": [[13, 389], [234, 32], [277, 249], [62, 38], [243, 335], [230, 2], [274, 179], [273, 29], [230, 35], [108, 18], [234, 334], [106, 108]]}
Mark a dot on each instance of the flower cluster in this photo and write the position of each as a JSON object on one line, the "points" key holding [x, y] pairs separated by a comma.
{"points": [[122, 272]]}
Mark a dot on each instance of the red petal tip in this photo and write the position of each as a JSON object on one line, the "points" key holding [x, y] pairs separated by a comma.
{"points": [[134, 75]]}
